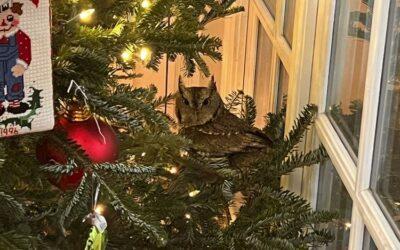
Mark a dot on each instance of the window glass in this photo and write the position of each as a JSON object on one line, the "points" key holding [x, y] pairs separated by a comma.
{"points": [[283, 87], [289, 20], [368, 243], [348, 69], [386, 165], [333, 197], [271, 5], [262, 85]]}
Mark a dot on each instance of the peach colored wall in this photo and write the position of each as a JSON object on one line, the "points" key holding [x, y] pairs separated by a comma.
{"points": [[215, 28]]}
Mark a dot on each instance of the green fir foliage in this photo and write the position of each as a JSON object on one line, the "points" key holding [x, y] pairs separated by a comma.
{"points": [[149, 206]]}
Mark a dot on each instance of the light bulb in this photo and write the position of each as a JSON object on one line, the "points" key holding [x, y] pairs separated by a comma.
{"points": [[126, 55], [86, 15], [173, 170], [145, 54], [194, 193], [146, 4], [100, 209]]}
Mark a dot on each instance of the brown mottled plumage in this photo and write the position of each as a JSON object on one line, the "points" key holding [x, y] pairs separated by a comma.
{"points": [[215, 132]]}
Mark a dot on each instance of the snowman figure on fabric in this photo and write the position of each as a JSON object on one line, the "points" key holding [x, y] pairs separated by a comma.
{"points": [[15, 57]]}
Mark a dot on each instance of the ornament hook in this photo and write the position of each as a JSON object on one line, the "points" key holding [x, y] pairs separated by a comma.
{"points": [[85, 98]]}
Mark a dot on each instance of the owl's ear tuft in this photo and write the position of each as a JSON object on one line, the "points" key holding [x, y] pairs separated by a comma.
{"points": [[182, 87], [213, 84]]}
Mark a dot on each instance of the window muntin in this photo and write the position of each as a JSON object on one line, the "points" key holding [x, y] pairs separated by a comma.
{"points": [[386, 160], [333, 197], [348, 69]]}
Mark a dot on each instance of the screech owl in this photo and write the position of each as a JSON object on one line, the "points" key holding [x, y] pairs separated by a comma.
{"points": [[215, 132]]}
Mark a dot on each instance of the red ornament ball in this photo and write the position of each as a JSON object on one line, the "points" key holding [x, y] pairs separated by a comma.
{"points": [[99, 142]]}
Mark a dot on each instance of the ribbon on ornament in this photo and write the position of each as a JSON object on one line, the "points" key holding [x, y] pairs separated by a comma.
{"points": [[98, 235]]}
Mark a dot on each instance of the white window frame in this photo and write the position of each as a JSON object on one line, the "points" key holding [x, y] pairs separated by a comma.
{"points": [[354, 175]]}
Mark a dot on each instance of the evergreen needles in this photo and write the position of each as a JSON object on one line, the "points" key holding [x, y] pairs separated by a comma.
{"points": [[157, 195]]}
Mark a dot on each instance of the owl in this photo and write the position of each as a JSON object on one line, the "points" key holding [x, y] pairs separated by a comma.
{"points": [[214, 131]]}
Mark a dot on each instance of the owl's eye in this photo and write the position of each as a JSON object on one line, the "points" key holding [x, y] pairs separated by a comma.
{"points": [[186, 102], [206, 102]]}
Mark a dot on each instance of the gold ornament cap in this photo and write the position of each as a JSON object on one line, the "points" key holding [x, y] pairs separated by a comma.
{"points": [[74, 110]]}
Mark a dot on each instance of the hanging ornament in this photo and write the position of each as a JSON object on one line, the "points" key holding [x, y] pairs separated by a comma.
{"points": [[98, 235], [96, 138], [97, 240]]}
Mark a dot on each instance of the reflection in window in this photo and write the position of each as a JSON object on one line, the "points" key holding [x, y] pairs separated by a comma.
{"points": [[271, 5], [288, 25], [333, 197], [262, 85], [368, 243], [283, 87], [386, 175], [348, 68]]}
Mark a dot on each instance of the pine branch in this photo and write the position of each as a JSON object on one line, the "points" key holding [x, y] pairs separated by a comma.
{"points": [[12, 240], [61, 169], [301, 125], [249, 111], [124, 170], [11, 207], [151, 232], [298, 160], [77, 205]]}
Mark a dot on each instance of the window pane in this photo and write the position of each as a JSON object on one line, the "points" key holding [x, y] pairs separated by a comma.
{"points": [[262, 86], [283, 87], [348, 69], [386, 175], [333, 197], [289, 20], [369, 243], [271, 5]]}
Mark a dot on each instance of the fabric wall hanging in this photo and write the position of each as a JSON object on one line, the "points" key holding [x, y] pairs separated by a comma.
{"points": [[26, 94]]}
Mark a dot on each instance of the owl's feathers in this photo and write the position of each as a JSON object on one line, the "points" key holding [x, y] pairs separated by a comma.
{"points": [[215, 131]]}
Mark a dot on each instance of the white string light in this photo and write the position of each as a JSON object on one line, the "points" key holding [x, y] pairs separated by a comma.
{"points": [[100, 209], [146, 4], [145, 54], [126, 55], [86, 15], [194, 193]]}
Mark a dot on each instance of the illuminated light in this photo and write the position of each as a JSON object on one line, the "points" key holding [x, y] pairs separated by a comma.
{"points": [[173, 170], [126, 55], [194, 193], [145, 54], [143, 154], [188, 216], [100, 209], [184, 153], [146, 4], [86, 15], [347, 225]]}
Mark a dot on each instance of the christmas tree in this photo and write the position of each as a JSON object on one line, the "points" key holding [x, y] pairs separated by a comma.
{"points": [[154, 194]]}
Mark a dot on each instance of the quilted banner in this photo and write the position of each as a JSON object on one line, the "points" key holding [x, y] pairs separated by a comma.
{"points": [[26, 94]]}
